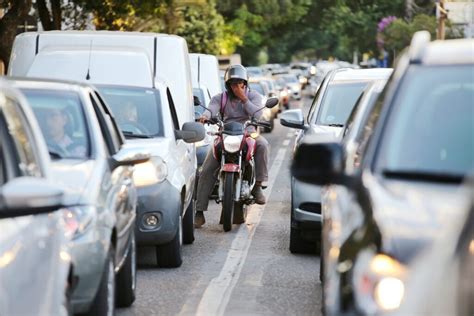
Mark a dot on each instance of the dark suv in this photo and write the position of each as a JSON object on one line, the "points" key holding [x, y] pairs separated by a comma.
{"points": [[418, 147]]}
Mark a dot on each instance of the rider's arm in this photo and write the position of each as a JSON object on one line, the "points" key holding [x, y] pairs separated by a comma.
{"points": [[254, 103], [214, 106]]}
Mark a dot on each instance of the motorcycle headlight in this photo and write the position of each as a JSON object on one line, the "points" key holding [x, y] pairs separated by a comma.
{"points": [[232, 143], [79, 219], [150, 172], [379, 283]]}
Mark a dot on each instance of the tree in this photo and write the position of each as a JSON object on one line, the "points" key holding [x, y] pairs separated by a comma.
{"points": [[202, 28], [398, 34], [49, 21], [16, 14]]}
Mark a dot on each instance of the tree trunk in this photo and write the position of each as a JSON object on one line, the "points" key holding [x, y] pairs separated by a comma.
{"points": [[57, 13], [16, 15], [45, 16]]}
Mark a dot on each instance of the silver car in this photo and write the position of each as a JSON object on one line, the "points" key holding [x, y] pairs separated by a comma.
{"points": [[91, 163], [32, 224], [329, 111], [165, 184]]}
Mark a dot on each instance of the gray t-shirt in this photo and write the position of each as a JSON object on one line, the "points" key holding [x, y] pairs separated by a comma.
{"points": [[234, 109]]}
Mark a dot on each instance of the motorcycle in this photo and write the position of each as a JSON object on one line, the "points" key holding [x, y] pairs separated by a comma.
{"points": [[234, 147]]}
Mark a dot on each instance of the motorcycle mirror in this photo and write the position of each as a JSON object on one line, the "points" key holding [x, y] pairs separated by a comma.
{"points": [[271, 102], [196, 100]]}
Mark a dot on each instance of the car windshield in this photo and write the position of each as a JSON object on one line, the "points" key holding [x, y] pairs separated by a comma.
{"points": [[431, 127], [257, 87], [137, 110], [60, 115], [338, 102]]}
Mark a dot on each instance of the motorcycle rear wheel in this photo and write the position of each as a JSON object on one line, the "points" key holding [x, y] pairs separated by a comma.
{"points": [[228, 201]]}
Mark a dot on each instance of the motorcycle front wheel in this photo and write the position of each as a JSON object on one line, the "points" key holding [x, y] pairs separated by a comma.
{"points": [[228, 201]]}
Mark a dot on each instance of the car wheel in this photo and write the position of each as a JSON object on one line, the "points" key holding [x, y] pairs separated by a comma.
{"points": [[188, 223], [170, 255], [104, 302], [127, 277]]}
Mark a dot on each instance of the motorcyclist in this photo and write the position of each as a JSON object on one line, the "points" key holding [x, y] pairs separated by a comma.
{"points": [[236, 104]]}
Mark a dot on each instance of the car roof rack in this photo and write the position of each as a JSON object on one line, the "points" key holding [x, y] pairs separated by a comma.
{"points": [[418, 45]]}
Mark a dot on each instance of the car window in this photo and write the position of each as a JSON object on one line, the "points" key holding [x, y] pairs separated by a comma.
{"points": [[19, 135], [430, 129], [338, 102], [200, 95], [60, 115], [137, 110], [318, 95], [174, 116], [257, 87], [115, 128]]}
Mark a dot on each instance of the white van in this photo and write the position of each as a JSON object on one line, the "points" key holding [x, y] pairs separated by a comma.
{"points": [[167, 58], [205, 71], [145, 79]]}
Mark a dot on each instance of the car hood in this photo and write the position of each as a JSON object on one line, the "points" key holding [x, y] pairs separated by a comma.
{"points": [[157, 147], [73, 176], [409, 214]]}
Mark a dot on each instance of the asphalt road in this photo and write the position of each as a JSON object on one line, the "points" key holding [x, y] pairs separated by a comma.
{"points": [[247, 271]]}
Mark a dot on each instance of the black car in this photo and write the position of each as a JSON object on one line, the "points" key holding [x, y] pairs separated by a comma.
{"points": [[418, 147]]}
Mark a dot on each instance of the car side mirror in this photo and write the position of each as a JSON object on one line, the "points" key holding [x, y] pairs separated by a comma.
{"points": [[191, 132], [318, 162], [29, 195], [292, 118]]}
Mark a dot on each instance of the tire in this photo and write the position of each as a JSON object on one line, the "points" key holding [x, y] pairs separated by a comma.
{"points": [[170, 254], [188, 223], [298, 244], [228, 202], [127, 276], [104, 301]]}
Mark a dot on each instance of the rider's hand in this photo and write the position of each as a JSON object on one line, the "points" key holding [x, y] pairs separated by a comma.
{"points": [[203, 119], [239, 91]]}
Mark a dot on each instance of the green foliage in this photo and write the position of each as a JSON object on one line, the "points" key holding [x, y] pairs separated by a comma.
{"points": [[398, 34], [202, 28]]}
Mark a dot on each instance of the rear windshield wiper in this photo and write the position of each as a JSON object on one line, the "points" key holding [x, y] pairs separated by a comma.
{"points": [[418, 175], [335, 125], [133, 135]]}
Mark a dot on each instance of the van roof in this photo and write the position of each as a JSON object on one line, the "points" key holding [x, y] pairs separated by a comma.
{"points": [[89, 64]]}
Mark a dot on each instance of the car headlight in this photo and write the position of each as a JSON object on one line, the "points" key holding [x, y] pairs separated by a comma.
{"points": [[150, 172], [232, 143], [378, 282], [79, 219]]}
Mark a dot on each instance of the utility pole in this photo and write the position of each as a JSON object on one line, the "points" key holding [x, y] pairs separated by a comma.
{"points": [[442, 15]]}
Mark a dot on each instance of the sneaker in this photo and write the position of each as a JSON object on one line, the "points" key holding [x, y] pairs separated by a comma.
{"points": [[258, 195], [199, 219]]}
